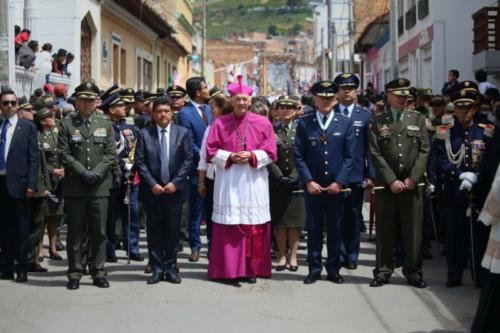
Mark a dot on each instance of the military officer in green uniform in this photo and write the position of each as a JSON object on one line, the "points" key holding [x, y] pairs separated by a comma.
{"points": [[87, 146], [400, 148], [287, 204]]}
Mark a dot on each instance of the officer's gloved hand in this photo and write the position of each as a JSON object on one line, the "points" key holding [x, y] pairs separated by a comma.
{"points": [[89, 177], [465, 185], [430, 189], [117, 182], [470, 176], [286, 183]]}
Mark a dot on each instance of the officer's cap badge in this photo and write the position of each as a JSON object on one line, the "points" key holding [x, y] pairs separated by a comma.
{"points": [[326, 84]]}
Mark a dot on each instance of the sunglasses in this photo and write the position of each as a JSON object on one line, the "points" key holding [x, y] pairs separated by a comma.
{"points": [[13, 103]]}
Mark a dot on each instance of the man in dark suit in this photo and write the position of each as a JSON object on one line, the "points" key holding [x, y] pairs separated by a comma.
{"points": [[18, 182], [195, 116], [362, 170], [163, 158]]}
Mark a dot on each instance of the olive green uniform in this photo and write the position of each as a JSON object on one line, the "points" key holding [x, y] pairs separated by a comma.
{"points": [[85, 146], [287, 208], [400, 150]]}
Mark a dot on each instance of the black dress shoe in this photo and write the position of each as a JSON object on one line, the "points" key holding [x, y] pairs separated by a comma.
{"points": [[280, 268], [111, 259], [417, 283], [60, 246], [351, 265], [335, 278], [155, 278], [378, 282], [312, 278], [101, 282], [136, 257], [40, 259], [179, 248], [36, 268], [22, 277], [172, 277], [452, 284], [293, 268], [73, 284], [7, 276], [56, 256]]}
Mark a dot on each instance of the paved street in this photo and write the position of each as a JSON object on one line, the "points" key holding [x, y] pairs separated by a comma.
{"points": [[282, 304]]}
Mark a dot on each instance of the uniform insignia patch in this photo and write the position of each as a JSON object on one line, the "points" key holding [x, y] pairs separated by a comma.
{"points": [[413, 128], [76, 137], [100, 133], [46, 145]]}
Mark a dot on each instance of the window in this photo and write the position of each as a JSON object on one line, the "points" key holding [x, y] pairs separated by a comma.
{"points": [[144, 70], [147, 75], [119, 60], [423, 8], [123, 62]]}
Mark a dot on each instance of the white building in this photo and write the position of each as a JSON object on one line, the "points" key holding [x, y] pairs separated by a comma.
{"points": [[434, 37]]}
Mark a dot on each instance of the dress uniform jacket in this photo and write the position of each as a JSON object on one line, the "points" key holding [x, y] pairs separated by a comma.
{"points": [[48, 145], [287, 208]]}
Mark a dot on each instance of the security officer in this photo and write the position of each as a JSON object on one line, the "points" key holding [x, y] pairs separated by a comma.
{"points": [[287, 203], [125, 136], [459, 151], [177, 101], [362, 172], [400, 149], [87, 147], [324, 152]]}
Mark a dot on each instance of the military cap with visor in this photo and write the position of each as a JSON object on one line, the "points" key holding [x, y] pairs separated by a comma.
{"points": [[347, 80], [398, 87], [176, 91], [87, 90], [324, 89]]}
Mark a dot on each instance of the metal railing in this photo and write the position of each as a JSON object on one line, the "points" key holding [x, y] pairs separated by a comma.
{"points": [[486, 29], [55, 78]]}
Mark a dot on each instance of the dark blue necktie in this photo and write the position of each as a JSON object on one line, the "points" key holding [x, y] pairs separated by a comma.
{"points": [[3, 143], [164, 157], [346, 112]]}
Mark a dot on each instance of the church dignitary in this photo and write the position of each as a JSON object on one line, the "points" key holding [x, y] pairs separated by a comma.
{"points": [[87, 147], [287, 204], [324, 149], [163, 158], [125, 136], [52, 210], [486, 319], [400, 148], [195, 116], [459, 151], [362, 168], [241, 144], [18, 183]]}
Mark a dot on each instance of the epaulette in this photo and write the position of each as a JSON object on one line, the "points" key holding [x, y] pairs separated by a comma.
{"points": [[129, 121], [489, 129], [443, 132], [309, 114]]}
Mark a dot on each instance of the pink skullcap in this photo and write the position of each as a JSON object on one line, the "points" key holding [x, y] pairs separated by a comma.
{"points": [[239, 88]]}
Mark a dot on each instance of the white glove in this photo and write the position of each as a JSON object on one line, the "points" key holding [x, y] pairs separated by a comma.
{"points": [[466, 185], [470, 176], [430, 189], [128, 166]]}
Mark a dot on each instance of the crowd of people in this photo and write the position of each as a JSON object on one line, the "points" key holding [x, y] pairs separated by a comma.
{"points": [[261, 175]]}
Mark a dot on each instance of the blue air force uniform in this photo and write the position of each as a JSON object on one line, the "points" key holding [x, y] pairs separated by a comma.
{"points": [[362, 168], [459, 151], [324, 157]]}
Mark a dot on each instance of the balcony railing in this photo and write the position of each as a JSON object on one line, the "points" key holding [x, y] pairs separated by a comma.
{"points": [[401, 26], [24, 81], [486, 29], [423, 8], [55, 78], [411, 17]]}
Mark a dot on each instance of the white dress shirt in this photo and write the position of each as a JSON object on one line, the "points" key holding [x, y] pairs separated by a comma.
{"points": [[8, 138], [198, 106], [350, 108], [167, 134]]}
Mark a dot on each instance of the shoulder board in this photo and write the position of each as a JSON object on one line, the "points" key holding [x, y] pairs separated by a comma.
{"points": [[443, 132], [489, 129]]}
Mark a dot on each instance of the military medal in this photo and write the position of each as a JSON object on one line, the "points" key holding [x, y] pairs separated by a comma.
{"points": [[323, 138]]}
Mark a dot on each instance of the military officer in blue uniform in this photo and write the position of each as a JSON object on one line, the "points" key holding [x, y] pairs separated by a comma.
{"points": [[125, 138], [324, 151], [459, 151], [362, 169]]}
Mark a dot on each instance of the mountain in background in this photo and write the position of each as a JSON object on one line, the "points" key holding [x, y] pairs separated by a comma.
{"points": [[274, 17]]}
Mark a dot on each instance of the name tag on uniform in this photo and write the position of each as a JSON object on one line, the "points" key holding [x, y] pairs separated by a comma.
{"points": [[337, 133], [76, 137], [413, 128], [358, 123], [46, 145], [100, 133]]}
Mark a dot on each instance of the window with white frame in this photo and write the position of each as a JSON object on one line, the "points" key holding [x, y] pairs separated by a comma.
{"points": [[118, 60], [144, 70]]}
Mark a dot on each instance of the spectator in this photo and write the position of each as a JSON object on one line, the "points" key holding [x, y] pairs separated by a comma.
{"points": [[59, 61], [43, 61], [21, 37], [69, 60], [61, 93], [27, 54], [450, 86], [482, 81]]}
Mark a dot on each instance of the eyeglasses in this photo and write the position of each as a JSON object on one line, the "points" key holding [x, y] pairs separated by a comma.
{"points": [[6, 103]]}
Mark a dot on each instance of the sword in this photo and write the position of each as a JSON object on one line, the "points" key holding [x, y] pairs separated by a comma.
{"points": [[126, 201], [471, 220], [345, 190], [431, 211], [378, 188]]}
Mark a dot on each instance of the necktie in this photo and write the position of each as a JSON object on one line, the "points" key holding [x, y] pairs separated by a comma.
{"points": [[325, 119], [398, 118], [346, 112], [3, 143], [164, 157], [87, 123], [203, 116]]}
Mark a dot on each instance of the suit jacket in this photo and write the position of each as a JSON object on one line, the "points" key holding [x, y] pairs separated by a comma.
{"points": [[362, 162], [147, 157], [190, 118], [22, 160], [326, 162]]}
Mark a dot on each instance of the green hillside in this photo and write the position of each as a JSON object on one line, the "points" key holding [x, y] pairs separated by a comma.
{"points": [[277, 17]]}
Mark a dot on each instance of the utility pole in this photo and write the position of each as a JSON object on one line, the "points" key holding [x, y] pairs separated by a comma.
{"points": [[394, 36], [351, 36], [204, 38]]}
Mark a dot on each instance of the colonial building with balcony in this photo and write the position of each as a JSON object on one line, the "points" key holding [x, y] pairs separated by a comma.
{"points": [[434, 37]]}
